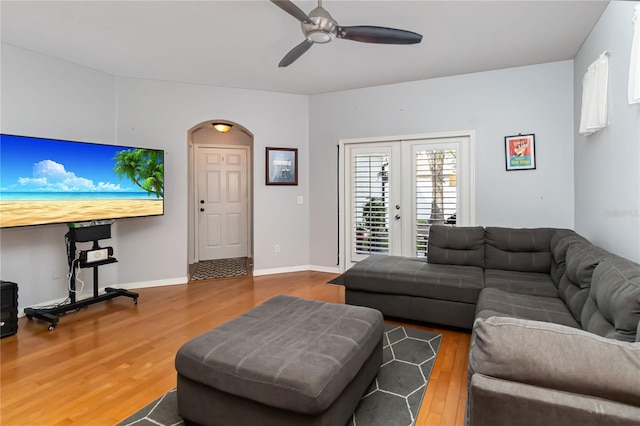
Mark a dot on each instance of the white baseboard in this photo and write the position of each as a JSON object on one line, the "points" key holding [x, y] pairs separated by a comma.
{"points": [[330, 269], [285, 270], [129, 286], [184, 280], [156, 283], [300, 268]]}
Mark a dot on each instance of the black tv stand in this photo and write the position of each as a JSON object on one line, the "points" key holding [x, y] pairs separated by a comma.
{"points": [[52, 314]]}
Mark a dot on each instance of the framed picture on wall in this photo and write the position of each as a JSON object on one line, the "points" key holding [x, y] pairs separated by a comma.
{"points": [[520, 152], [282, 166]]}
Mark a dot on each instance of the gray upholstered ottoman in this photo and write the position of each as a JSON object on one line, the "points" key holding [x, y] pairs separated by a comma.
{"points": [[289, 361]]}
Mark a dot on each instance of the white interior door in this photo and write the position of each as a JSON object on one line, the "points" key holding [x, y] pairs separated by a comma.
{"points": [[222, 203]]}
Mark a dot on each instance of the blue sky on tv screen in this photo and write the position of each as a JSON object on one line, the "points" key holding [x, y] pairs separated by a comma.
{"points": [[44, 165]]}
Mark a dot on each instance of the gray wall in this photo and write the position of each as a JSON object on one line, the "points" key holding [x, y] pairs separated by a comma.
{"points": [[47, 97], [535, 99], [607, 172], [162, 113]]}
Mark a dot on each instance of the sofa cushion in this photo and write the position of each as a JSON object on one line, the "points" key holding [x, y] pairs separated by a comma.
{"points": [[495, 402], [556, 357], [560, 242], [494, 302], [456, 245], [613, 306], [524, 250], [580, 262], [415, 277], [520, 282]]}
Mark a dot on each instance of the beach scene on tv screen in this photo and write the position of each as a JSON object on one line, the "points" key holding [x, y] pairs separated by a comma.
{"points": [[51, 181]]}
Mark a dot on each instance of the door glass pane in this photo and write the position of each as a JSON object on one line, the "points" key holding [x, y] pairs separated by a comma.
{"points": [[436, 192], [370, 203]]}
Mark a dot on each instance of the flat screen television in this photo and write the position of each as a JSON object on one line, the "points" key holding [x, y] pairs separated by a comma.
{"points": [[44, 181]]}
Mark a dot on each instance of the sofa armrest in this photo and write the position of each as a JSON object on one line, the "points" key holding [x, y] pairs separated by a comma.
{"points": [[556, 357], [497, 402]]}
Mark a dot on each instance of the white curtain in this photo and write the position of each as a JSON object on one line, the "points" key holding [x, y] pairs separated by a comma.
{"points": [[634, 68], [593, 115]]}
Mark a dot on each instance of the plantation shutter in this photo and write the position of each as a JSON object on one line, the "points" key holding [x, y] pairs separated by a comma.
{"points": [[436, 191], [370, 203]]}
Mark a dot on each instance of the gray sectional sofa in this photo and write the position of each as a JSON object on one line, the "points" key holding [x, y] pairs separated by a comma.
{"points": [[554, 320]]}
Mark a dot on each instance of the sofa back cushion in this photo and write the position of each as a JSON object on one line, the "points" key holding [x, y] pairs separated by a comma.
{"points": [[456, 245], [581, 260], [613, 306], [523, 250], [560, 242]]}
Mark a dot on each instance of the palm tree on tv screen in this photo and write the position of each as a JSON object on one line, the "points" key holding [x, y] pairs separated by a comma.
{"points": [[143, 167]]}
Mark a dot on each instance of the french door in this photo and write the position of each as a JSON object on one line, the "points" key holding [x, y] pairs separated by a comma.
{"points": [[395, 190]]}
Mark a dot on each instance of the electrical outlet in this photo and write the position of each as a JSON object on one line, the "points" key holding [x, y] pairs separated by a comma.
{"points": [[276, 248], [300, 199]]}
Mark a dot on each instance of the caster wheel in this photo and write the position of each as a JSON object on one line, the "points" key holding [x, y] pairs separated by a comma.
{"points": [[29, 317], [52, 327], [135, 301]]}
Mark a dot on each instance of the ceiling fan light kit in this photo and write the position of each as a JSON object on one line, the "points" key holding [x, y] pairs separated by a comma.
{"points": [[320, 27]]}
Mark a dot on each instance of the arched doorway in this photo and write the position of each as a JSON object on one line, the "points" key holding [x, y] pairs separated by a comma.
{"points": [[220, 210]]}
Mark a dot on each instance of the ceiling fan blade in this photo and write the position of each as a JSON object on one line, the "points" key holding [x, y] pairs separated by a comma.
{"points": [[292, 10], [295, 53], [382, 35]]}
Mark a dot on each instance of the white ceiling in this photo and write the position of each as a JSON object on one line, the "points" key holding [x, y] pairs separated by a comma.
{"points": [[239, 43]]}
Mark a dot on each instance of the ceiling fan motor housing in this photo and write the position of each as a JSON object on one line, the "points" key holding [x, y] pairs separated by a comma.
{"points": [[322, 28]]}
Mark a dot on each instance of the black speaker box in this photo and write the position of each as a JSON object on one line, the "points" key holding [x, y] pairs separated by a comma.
{"points": [[8, 308], [90, 233]]}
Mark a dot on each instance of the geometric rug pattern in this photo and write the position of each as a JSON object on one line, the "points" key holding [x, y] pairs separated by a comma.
{"points": [[220, 268], [393, 398], [395, 395]]}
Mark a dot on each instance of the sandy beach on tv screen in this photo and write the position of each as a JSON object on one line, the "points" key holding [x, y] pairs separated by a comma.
{"points": [[20, 213]]}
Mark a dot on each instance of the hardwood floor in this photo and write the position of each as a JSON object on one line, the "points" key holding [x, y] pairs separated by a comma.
{"points": [[105, 362]]}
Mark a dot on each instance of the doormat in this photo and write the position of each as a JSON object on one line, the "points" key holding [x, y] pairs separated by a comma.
{"points": [[393, 398], [220, 268]]}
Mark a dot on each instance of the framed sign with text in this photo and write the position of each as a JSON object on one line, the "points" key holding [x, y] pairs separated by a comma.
{"points": [[520, 152]]}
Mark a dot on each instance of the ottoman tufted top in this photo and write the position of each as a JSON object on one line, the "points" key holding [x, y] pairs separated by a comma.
{"points": [[289, 353]]}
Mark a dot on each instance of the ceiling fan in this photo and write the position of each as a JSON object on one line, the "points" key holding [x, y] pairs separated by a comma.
{"points": [[319, 27]]}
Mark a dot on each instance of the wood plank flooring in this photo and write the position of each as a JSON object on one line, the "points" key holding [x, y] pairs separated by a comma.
{"points": [[106, 361]]}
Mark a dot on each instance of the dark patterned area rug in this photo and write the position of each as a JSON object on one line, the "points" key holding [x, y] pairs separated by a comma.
{"points": [[393, 398], [220, 268]]}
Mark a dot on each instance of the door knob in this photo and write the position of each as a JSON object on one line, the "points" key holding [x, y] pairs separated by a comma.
{"points": [[201, 209], [201, 201], [397, 216], [397, 206]]}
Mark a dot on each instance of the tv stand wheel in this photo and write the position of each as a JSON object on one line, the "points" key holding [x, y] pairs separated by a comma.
{"points": [[135, 301], [52, 327]]}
